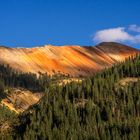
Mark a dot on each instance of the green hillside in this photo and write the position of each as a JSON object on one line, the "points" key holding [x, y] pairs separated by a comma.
{"points": [[99, 107]]}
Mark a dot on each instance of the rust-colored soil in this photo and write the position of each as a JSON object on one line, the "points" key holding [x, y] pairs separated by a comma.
{"points": [[74, 60]]}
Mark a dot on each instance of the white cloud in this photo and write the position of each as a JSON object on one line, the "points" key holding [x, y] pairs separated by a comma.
{"points": [[113, 34], [118, 34], [134, 28]]}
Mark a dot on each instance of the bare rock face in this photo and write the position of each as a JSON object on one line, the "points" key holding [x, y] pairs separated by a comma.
{"points": [[73, 60], [19, 100]]}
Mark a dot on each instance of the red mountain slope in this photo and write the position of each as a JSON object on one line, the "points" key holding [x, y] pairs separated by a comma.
{"points": [[74, 60]]}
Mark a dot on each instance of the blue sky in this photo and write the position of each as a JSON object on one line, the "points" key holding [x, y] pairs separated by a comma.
{"points": [[28, 23]]}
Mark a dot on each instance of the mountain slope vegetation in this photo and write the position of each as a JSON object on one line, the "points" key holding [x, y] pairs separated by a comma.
{"points": [[95, 108]]}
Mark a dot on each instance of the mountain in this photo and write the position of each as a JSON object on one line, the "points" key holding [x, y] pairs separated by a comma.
{"points": [[101, 106], [73, 60], [105, 106]]}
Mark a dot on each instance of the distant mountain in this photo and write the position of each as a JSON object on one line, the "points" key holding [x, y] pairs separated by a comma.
{"points": [[73, 60]]}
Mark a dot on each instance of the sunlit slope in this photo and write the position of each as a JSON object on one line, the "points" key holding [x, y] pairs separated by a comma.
{"points": [[73, 60]]}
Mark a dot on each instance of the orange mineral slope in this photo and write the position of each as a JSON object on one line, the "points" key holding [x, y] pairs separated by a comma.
{"points": [[73, 60]]}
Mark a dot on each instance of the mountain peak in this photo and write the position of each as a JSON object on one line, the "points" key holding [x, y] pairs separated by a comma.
{"points": [[113, 47], [109, 43]]}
